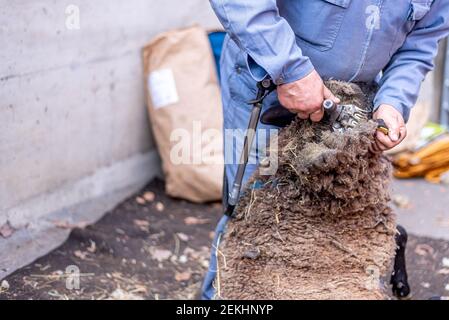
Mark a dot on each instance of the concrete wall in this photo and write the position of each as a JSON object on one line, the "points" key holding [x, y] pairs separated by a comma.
{"points": [[74, 134]]}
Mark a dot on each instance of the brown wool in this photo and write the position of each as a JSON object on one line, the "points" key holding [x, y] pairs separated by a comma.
{"points": [[321, 228]]}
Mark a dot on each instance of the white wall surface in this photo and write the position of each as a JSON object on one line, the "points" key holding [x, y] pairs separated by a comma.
{"points": [[73, 124]]}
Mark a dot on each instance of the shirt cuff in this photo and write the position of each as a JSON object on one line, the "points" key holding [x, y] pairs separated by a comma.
{"points": [[395, 103], [296, 72]]}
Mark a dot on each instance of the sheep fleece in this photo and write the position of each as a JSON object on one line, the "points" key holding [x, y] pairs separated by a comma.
{"points": [[320, 227]]}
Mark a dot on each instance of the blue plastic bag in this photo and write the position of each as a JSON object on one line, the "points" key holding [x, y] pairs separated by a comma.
{"points": [[216, 39]]}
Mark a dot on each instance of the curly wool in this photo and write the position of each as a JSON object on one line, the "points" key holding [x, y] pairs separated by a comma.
{"points": [[321, 227]]}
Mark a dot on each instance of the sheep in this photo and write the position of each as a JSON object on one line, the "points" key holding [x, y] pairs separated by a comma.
{"points": [[321, 226]]}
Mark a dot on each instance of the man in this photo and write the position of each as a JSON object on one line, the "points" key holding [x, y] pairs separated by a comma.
{"points": [[298, 43]]}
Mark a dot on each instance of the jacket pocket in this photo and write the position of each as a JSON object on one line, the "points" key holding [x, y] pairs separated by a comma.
{"points": [[418, 9], [242, 87], [317, 22]]}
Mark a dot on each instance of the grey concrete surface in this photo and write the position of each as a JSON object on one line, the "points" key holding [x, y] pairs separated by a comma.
{"points": [[425, 208], [73, 123]]}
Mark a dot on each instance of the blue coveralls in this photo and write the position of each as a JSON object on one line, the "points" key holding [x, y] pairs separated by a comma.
{"points": [[393, 42]]}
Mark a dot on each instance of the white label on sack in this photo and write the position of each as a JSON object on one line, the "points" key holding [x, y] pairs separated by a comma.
{"points": [[162, 88]]}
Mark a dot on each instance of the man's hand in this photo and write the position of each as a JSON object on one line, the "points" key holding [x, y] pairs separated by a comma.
{"points": [[396, 126], [305, 96]]}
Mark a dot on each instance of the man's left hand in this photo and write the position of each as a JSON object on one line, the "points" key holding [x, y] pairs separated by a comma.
{"points": [[396, 126]]}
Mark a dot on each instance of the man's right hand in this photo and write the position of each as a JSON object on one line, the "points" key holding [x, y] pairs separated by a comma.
{"points": [[305, 96]]}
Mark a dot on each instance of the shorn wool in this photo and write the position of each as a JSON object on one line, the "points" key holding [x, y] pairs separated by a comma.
{"points": [[320, 227]]}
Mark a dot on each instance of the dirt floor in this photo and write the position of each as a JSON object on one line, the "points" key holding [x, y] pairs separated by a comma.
{"points": [[154, 247]]}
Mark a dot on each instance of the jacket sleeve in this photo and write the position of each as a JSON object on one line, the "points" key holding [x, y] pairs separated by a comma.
{"points": [[402, 77], [266, 38]]}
